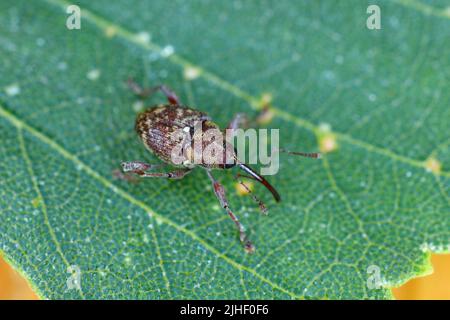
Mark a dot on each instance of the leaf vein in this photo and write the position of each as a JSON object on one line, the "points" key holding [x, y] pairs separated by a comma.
{"points": [[161, 265]]}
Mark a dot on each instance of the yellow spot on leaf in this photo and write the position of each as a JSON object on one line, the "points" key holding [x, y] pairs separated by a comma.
{"points": [[127, 260], [36, 202], [327, 143], [241, 190], [266, 99], [110, 31], [434, 165], [265, 116], [327, 139]]}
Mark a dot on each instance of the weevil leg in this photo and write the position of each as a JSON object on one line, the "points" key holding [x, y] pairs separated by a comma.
{"points": [[262, 206], [133, 166], [177, 174], [314, 155], [145, 93], [118, 174], [239, 121], [220, 194], [242, 121], [140, 169]]}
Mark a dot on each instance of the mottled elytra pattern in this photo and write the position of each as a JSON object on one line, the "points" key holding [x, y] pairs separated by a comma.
{"points": [[379, 197], [156, 126], [165, 128]]}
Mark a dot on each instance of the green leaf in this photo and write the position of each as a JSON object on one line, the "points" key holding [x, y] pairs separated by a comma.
{"points": [[376, 99]]}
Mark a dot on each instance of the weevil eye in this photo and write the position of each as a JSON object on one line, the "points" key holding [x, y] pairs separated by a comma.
{"points": [[229, 165]]}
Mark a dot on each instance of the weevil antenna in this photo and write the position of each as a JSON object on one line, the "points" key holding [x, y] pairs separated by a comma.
{"points": [[260, 179], [314, 155]]}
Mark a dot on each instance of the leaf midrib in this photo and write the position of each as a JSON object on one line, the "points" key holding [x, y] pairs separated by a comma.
{"points": [[253, 102], [20, 124]]}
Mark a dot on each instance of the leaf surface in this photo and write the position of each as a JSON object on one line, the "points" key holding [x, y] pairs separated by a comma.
{"points": [[377, 99]]}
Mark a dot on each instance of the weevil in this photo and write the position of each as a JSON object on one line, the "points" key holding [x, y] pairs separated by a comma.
{"points": [[157, 127]]}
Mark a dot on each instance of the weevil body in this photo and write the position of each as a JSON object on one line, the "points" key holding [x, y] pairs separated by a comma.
{"points": [[159, 128], [163, 129]]}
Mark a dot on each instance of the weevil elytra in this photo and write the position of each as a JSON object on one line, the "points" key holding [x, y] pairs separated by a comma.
{"points": [[159, 128]]}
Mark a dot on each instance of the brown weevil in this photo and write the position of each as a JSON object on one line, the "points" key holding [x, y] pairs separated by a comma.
{"points": [[159, 128]]}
